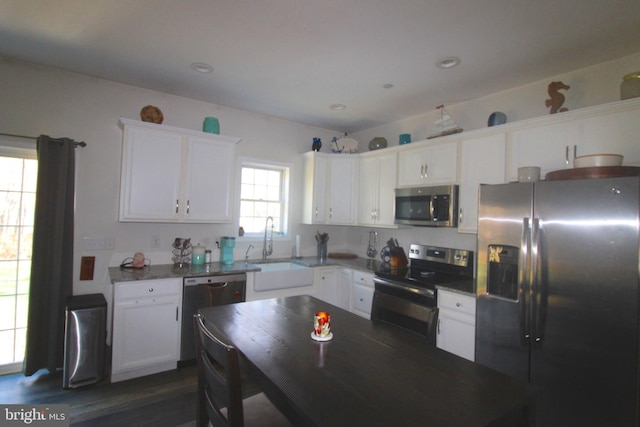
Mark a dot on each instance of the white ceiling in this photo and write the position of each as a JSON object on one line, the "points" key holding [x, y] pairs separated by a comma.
{"points": [[294, 58]]}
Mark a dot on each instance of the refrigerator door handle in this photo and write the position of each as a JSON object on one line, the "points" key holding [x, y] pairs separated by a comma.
{"points": [[523, 276], [538, 287]]}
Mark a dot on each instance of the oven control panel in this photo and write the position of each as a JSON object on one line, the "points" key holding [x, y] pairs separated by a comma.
{"points": [[459, 257]]}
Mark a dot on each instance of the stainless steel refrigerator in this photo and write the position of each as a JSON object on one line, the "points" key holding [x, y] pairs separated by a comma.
{"points": [[557, 288]]}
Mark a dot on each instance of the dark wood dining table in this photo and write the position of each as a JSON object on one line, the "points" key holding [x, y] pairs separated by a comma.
{"points": [[368, 374]]}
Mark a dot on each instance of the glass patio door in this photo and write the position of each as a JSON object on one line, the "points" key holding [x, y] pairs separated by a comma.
{"points": [[18, 171]]}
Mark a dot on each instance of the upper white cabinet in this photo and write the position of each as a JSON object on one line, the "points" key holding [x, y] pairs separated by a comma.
{"points": [[175, 175], [315, 188], [551, 142], [377, 180], [550, 147], [330, 188], [482, 162], [342, 189], [428, 165]]}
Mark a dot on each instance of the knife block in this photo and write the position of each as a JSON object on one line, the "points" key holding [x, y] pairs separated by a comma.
{"points": [[398, 258]]}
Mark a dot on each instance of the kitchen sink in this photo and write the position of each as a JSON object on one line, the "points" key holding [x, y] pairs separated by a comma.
{"points": [[281, 275]]}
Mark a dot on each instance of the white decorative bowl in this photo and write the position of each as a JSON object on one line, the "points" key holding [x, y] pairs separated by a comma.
{"points": [[597, 160]]}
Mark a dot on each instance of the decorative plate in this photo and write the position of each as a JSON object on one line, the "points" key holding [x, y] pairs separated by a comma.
{"points": [[377, 143], [347, 145], [151, 114]]}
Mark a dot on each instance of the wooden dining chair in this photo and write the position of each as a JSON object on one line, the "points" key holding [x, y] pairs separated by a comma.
{"points": [[219, 396], [405, 314]]}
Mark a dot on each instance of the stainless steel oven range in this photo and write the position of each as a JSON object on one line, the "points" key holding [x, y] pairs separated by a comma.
{"points": [[407, 297]]}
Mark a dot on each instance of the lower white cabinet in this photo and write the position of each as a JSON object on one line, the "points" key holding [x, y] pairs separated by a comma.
{"points": [[332, 285], [345, 276], [457, 324], [146, 327], [325, 280], [362, 293]]}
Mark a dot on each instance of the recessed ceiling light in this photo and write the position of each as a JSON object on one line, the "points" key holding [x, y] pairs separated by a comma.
{"points": [[387, 86], [201, 67], [448, 62], [337, 107]]}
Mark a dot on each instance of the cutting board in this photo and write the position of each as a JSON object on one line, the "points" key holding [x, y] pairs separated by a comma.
{"points": [[342, 255], [593, 172]]}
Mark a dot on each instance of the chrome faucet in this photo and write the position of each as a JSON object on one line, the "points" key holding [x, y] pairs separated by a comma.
{"points": [[267, 250], [246, 254]]}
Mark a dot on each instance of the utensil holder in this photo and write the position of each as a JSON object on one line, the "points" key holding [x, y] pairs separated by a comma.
{"points": [[322, 251]]}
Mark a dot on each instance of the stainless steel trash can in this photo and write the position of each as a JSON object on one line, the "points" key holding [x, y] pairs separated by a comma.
{"points": [[85, 336]]}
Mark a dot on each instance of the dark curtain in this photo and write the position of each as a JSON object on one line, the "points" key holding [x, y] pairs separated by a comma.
{"points": [[52, 255]]}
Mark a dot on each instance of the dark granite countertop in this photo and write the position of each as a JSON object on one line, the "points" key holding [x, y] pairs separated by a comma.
{"points": [[463, 286], [167, 271]]}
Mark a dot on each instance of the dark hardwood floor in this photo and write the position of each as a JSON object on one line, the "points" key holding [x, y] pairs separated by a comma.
{"points": [[165, 399]]}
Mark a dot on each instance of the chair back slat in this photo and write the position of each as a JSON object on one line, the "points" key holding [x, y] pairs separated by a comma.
{"points": [[219, 383]]}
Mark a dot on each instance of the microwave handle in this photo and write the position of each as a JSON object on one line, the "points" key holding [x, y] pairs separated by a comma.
{"points": [[433, 208]]}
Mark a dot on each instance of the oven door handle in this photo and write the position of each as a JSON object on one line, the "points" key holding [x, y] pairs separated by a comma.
{"points": [[428, 292]]}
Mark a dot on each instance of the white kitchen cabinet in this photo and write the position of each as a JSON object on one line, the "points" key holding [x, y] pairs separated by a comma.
{"points": [[362, 290], [333, 285], [377, 181], [325, 281], [175, 175], [342, 187], [315, 191], [146, 327], [551, 142], [209, 180], [330, 189], [550, 147], [456, 323], [482, 162], [428, 165], [345, 277]]}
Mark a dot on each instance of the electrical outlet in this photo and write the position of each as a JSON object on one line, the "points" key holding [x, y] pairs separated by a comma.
{"points": [[155, 242]]}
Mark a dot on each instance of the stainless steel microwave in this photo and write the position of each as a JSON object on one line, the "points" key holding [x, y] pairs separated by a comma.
{"points": [[435, 206]]}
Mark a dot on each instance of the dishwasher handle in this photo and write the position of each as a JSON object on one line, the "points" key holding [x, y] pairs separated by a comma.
{"points": [[216, 280]]}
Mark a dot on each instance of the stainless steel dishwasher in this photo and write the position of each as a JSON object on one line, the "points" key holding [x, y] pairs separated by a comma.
{"points": [[206, 291]]}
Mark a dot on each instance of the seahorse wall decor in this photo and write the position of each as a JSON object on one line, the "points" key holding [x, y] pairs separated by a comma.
{"points": [[556, 98]]}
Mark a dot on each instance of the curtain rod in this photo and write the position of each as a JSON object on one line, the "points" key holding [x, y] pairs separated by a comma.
{"points": [[81, 143]]}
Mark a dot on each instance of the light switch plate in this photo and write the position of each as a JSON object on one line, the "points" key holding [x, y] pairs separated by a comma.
{"points": [[98, 243]]}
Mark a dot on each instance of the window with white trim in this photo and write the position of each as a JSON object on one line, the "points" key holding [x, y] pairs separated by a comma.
{"points": [[264, 192]]}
